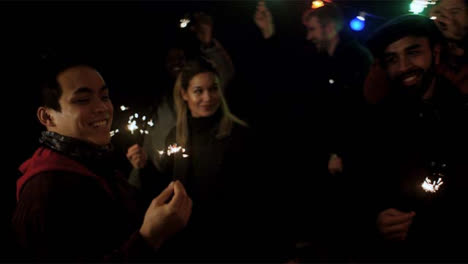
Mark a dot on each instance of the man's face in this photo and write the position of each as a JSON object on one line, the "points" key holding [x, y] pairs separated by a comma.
{"points": [[316, 33], [451, 18], [86, 109], [408, 63], [175, 60]]}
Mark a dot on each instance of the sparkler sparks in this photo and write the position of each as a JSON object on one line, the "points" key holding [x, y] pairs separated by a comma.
{"points": [[430, 186], [139, 125], [173, 149], [113, 132], [184, 22], [124, 108], [132, 126]]}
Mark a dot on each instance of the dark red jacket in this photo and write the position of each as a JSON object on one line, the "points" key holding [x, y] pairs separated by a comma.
{"points": [[66, 212]]}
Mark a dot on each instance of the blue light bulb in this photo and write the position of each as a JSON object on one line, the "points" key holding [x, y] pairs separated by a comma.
{"points": [[357, 24]]}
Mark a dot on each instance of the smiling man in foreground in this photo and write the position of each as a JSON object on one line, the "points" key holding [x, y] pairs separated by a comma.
{"points": [[71, 203]]}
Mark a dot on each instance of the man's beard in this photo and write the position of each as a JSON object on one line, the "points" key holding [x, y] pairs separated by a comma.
{"points": [[417, 90], [322, 44]]}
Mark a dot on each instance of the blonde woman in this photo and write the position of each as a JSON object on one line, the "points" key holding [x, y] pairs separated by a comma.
{"points": [[211, 136], [212, 167]]}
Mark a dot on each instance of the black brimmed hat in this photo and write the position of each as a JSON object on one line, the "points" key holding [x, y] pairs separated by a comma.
{"points": [[400, 27]]}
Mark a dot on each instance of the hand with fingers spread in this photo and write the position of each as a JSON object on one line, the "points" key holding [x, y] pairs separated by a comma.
{"points": [[394, 224], [137, 156], [167, 214], [264, 20]]}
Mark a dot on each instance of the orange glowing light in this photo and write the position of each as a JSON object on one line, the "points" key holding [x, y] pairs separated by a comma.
{"points": [[317, 4]]}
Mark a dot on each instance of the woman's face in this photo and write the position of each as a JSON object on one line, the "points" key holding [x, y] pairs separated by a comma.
{"points": [[202, 95], [451, 18]]}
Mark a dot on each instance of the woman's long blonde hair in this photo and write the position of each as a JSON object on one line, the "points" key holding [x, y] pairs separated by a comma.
{"points": [[191, 69]]}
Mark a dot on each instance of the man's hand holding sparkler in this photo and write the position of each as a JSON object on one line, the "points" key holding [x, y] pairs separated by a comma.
{"points": [[137, 156], [394, 224], [167, 214]]}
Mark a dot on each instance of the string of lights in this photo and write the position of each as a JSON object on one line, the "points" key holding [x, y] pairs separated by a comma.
{"points": [[358, 23]]}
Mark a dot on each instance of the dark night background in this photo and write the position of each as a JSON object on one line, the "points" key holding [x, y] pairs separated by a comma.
{"points": [[129, 40]]}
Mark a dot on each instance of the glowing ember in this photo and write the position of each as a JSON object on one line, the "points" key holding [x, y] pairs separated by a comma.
{"points": [[124, 108], [150, 123], [430, 186], [184, 155]]}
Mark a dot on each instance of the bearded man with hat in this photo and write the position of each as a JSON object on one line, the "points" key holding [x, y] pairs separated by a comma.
{"points": [[416, 163]]}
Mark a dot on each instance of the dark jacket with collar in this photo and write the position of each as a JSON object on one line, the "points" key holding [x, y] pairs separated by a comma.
{"points": [[409, 141], [217, 175]]}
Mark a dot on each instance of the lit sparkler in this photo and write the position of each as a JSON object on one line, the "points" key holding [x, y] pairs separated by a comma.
{"points": [[139, 125], [430, 186], [132, 126], [173, 149], [184, 22]]}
